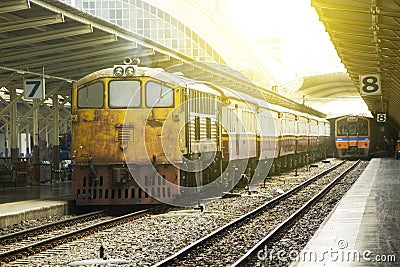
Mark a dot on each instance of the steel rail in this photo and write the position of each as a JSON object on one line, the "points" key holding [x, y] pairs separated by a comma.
{"points": [[186, 250], [285, 224], [68, 237], [20, 235]]}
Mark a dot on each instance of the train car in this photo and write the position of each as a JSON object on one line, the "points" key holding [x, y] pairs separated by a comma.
{"points": [[249, 137], [313, 136], [287, 138], [302, 138], [353, 136], [144, 136], [239, 130], [319, 137], [324, 138]]}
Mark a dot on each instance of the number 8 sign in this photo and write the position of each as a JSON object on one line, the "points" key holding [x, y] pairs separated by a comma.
{"points": [[381, 117], [370, 84]]}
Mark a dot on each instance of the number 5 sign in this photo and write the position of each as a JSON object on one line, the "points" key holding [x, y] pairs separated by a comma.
{"points": [[34, 88], [370, 84]]}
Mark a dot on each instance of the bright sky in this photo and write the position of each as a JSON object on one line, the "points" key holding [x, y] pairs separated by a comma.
{"points": [[306, 48]]}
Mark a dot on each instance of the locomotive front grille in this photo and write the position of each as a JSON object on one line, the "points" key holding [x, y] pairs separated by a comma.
{"points": [[125, 135], [125, 132]]}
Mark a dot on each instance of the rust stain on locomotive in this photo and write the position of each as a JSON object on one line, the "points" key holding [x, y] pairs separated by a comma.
{"points": [[98, 136]]}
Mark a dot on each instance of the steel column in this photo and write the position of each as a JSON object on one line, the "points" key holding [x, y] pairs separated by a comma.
{"points": [[13, 121], [35, 132], [56, 147], [6, 141], [27, 139]]}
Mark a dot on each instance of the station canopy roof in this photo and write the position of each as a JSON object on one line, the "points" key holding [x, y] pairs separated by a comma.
{"points": [[326, 92], [322, 87], [49, 38], [366, 35]]}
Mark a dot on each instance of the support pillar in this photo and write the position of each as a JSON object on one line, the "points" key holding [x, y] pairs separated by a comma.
{"points": [[35, 132], [47, 135], [27, 143], [6, 142], [14, 128], [56, 145]]}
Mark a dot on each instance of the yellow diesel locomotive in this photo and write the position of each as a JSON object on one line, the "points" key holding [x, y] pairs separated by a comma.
{"points": [[145, 136]]}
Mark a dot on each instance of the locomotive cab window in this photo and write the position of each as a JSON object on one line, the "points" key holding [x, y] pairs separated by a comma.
{"points": [[124, 94], [159, 95], [342, 128], [362, 127], [91, 96], [352, 129]]}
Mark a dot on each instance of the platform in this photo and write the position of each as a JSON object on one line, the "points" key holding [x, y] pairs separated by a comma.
{"points": [[33, 202], [364, 228]]}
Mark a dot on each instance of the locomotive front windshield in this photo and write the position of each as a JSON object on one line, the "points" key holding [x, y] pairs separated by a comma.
{"points": [[124, 94], [359, 127], [158, 95], [91, 96]]}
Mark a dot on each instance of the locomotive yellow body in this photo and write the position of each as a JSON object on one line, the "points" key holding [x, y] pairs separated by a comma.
{"points": [[131, 133]]}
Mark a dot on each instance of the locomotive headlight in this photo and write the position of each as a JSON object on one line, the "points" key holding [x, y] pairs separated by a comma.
{"points": [[129, 71], [118, 71]]}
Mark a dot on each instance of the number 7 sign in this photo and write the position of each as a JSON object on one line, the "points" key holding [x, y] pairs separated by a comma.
{"points": [[34, 88]]}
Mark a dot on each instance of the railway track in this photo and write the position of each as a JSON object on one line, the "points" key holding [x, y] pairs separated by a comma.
{"points": [[26, 235], [33, 241], [237, 241]]}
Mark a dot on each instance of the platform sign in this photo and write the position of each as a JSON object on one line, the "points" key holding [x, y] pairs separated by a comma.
{"points": [[34, 88], [370, 84], [381, 117]]}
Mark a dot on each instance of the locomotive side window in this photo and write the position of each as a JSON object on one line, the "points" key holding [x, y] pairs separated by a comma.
{"points": [[352, 129], [159, 95], [124, 94], [91, 96], [363, 127], [192, 97], [208, 128], [342, 128], [197, 128], [232, 120]]}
